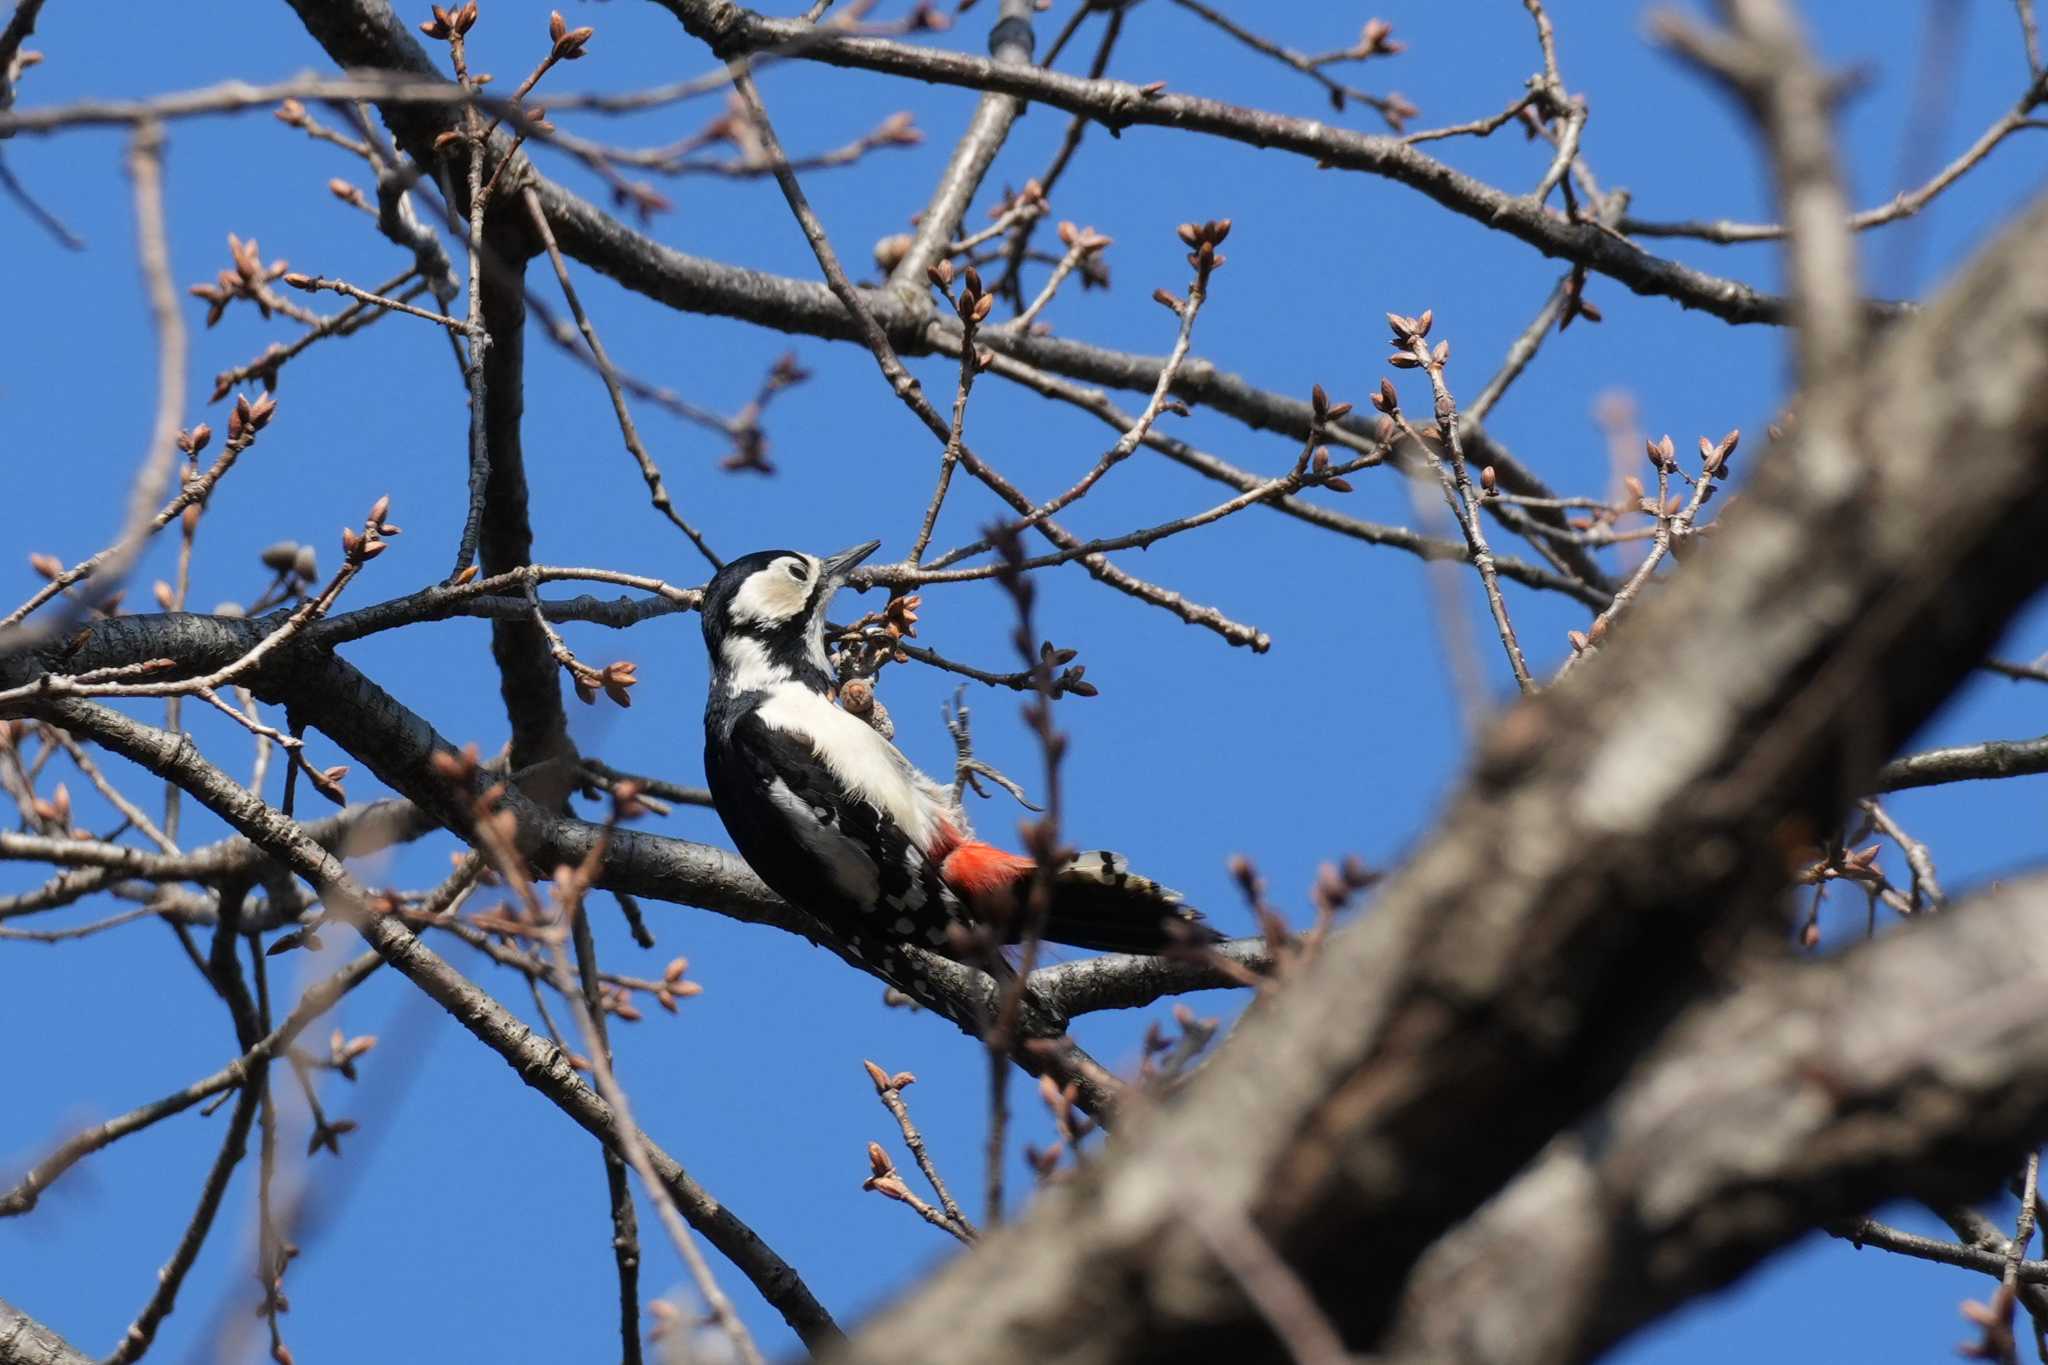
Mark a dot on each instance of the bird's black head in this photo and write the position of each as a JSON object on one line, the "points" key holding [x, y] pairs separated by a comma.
{"points": [[764, 617]]}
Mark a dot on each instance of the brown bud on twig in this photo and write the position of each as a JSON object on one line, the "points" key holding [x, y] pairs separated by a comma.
{"points": [[890, 251], [898, 130], [616, 678], [626, 802], [1714, 457], [568, 41], [347, 193], [1376, 40]]}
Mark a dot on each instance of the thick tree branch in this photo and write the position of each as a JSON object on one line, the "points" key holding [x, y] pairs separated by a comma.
{"points": [[1994, 758], [1764, 59], [366, 34], [1009, 44], [733, 31], [529, 681], [397, 746], [24, 1341], [1916, 1065], [1618, 836], [538, 1062]]}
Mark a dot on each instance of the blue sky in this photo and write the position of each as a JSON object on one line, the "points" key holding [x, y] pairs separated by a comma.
{"points": [[467, 1216]]}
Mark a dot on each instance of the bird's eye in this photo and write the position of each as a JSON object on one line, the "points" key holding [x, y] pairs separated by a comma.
{"points": [[798, 571]]}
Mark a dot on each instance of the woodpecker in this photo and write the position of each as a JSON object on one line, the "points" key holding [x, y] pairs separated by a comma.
{"points": [[832, 816]]}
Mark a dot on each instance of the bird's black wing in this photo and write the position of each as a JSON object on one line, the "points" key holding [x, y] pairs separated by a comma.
{"points": [[836, 856]]}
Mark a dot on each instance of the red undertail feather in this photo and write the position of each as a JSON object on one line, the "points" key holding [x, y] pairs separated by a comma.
{"points": [[1097, 901], [975, 870]]}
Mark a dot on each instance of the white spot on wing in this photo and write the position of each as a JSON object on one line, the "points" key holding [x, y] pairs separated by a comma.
{"points": [[852, 869]]}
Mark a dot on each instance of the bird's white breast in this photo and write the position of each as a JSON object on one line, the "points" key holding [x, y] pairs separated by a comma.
{"points": [[868, 766]]}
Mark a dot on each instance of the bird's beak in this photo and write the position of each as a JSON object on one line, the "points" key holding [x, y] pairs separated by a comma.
{"points": [[838, 566]]}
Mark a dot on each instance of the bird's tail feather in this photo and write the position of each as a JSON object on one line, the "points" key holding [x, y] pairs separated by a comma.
{"points": [[1099, 903]]}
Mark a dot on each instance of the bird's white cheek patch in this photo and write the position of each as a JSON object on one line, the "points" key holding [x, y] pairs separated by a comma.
{"points": [[770, 596]]}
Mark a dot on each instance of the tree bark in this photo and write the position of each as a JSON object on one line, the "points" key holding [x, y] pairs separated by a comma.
{"points": [[24, 1341], [1614, 841], [1913, 1066]]}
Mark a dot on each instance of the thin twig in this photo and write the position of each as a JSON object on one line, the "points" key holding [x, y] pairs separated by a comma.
{"points": [[1010, 45], [316, 1001], [657, 491], [478, 335], [906, 388], [970, 365], [314, 284], [145, 168], [234, 1143], [1395, 110], [1457, 484], [2023, 1234], [1134, 435], [1902, 205]]}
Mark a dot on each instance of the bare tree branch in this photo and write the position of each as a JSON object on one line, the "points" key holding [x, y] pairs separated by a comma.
{"points": [[24, 1341], [1916, 1065], [538, 1063], [731, 30], [1617, 835]]}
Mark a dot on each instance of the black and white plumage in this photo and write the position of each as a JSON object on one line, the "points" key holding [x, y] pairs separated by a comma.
{"points": [[832, 815]]}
